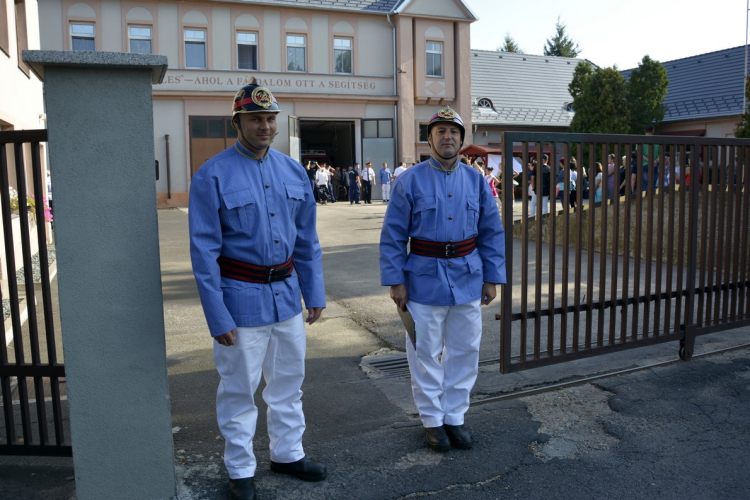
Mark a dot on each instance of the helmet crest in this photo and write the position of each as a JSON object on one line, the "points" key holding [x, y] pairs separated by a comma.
{"points": [[252, 98], [447, 114]]}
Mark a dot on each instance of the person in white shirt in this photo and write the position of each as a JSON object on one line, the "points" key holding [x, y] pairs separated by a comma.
{"points": [[368, 180], [399, 170], [322, 176]]}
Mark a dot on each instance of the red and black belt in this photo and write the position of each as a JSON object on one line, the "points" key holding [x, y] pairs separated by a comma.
{"points": [[242, 271], [442, 250]]}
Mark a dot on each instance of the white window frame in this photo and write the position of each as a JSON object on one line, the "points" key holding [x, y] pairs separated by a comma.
{"points": [[296, 45], [340, 47], [428, 51], [189, 38], [82, 35], [150, 37], [243, 42]]}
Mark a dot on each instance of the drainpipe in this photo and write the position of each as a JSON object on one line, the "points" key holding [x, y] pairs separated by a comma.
{"points": [[169, 171], [395, 90]]}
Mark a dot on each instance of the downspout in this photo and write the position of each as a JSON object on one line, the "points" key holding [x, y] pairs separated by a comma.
{"points": [[169, 170], [395, 91]]}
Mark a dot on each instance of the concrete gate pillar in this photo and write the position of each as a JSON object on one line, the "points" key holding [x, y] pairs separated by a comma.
{"points": [[101, 151]]}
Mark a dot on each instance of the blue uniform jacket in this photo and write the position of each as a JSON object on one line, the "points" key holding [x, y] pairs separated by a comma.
{"points": [[259, 211], [431, 204]]}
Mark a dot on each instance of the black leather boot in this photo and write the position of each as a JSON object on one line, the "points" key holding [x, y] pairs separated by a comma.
{"points": [[437, 439], [459, 436]]}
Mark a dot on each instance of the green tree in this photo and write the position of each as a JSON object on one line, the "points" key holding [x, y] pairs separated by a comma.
{"points": [[743, 127], [583, 70], [646, 91], [600, 101], [560, 45], [510, 45]]}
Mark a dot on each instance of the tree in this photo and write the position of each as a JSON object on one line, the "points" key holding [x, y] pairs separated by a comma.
{"points": [[599, 100], [510, 45], [646, 91], [560, 45], [743, 127], [583, 70]]}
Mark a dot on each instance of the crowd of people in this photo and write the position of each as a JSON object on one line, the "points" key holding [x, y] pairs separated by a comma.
{"points": [[355, 183], [620, 180]]}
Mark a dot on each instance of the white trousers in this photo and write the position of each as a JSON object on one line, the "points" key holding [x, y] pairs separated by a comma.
{"points": [[442, 385], [533, 203], [386, 191], [278, 352]]}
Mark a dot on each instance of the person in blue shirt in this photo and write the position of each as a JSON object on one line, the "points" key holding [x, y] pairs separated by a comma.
{"points": [[354, 184], [445, 213], [385, 182], [254, 250]]}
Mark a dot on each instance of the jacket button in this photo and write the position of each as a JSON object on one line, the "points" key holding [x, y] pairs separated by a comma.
{"points": [[450, 218], [451, 286], [450, 195], [268, 186], [276, 241], [450, 264], [273, 213], [278, 292]]}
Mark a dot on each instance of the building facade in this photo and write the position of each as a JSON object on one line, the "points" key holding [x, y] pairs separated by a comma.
{"points": [[356, 81], [21, 108]]}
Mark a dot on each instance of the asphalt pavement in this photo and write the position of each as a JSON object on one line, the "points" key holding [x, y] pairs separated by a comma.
{"points": [[637, 424]]}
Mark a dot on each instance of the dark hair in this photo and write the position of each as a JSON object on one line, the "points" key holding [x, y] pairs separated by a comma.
{"points": [[545, 157], [598, 167], [649, 128]]}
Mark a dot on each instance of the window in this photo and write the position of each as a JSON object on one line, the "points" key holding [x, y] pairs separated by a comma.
{"points": [[377, 129], [247, 50], [342, 55], [422, 132], [82, 37], [140, 39], [485, 103], [4, 44], [434, 59], [22, 40], [195, 48], [295, 52]]}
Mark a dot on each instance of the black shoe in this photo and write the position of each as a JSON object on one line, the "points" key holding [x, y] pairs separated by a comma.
{"points": [[242, 489], [437, 439], [304, 468], [356, 202], [459, 436]]}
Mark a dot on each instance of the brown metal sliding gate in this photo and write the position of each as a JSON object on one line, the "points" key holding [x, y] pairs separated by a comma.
{"points": [[665, 260], [33, 423]]}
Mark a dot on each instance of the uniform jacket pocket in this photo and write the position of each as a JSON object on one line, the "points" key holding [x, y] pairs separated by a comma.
{"points": [[241, 210]]}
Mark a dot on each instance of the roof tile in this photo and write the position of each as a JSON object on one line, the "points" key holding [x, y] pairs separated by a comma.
{"points": [[707, 85]]}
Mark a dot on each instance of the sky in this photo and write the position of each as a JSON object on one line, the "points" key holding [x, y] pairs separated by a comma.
{"points": [[613, 32]]}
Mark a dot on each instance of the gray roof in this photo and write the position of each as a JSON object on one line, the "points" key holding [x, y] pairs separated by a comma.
{"points": [[525, 90], [373, 6], [704, 86]]}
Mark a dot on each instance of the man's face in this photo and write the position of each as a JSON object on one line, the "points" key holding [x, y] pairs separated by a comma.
{"points": [[258, 129], [446, 139]]}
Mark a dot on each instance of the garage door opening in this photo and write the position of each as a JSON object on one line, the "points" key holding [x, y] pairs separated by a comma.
{"points": [[335, 138]]}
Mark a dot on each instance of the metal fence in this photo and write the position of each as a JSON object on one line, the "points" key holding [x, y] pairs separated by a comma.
{"points": [[31, 377], [666, 259]]}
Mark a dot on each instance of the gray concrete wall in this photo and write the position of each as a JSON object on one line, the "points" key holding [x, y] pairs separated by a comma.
{"points": [[101, 149]]}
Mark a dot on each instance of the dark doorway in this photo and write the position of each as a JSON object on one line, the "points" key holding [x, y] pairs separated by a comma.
{"points": [[336, 139]]}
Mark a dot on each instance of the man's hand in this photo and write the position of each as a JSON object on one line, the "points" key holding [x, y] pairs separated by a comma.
{"points": [[313, 313], [228, 338], [489, 292], [400, 296]]}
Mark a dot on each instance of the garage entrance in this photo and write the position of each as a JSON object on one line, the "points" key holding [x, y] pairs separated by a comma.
{"points": [[336, 138]]}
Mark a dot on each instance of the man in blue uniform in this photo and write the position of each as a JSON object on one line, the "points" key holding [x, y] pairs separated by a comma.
{"points": [[445, 211], [354, 182], [254, 248]]}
